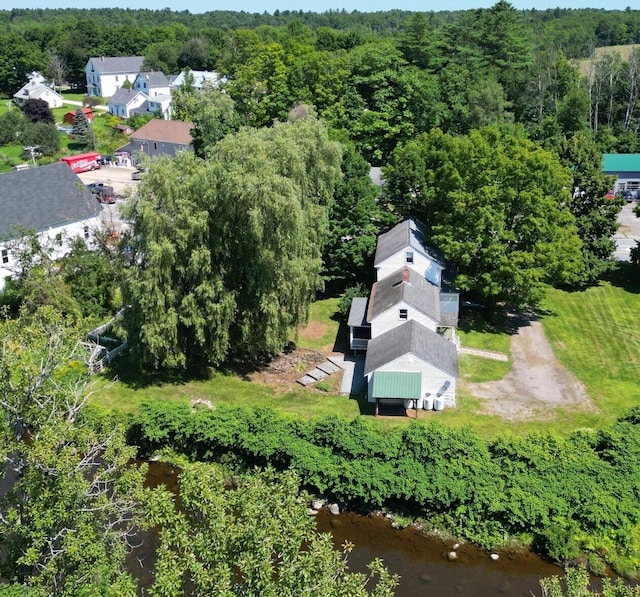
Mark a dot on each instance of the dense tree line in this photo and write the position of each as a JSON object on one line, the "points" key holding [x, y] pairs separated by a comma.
{"points": [[573, 499]]}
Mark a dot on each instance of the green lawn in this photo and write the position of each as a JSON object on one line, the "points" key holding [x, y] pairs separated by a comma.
{"points": [[227, 389], [595, 334]]}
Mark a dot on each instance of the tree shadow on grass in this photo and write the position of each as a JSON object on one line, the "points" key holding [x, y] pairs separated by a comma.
{"points": [[131, 374], [626, 276]]}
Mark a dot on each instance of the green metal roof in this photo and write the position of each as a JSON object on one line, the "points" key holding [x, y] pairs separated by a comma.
{"points": [[396, 384], [621, 162]]}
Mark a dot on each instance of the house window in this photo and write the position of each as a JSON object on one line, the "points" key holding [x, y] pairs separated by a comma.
{"points": [[409, 257], [404, 314], [116, 78], [5, 256], [155, 145], [86, 231], [59, 239]]}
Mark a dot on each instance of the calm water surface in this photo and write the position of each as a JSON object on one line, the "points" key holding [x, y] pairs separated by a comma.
{"points": [[420, 561]]}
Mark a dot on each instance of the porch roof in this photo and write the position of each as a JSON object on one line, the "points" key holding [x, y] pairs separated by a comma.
{"points": [[396, 384]]}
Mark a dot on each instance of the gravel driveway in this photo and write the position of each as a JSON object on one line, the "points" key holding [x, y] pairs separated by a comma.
{"points": [[537, 382]]}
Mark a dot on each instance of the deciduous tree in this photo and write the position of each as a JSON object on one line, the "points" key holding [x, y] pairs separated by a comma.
{"points": [[496, 204], [227, 252], [254, 539]]}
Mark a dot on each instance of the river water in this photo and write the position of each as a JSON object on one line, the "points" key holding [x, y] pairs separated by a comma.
{"points": [[420, 561], [423, 565]]}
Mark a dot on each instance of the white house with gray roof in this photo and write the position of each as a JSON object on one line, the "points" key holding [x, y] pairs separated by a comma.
{"points": [[50, 201], [407, 324], [126, 102], [403, 245], [106, 74], [35, 89], [412, 365], [152, 83], [402, 296]]}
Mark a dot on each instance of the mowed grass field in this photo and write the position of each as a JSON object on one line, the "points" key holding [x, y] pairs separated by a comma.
{"points": [[594, 333]]}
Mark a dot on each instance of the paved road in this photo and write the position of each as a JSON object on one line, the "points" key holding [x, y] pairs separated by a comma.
{"points": [[628, 232]]}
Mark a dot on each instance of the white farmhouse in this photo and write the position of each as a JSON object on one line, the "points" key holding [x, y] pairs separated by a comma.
{"points": [[126, 102], [50, 201], [38, 90], [412, 365], [200, 79], [105, 75], [407, 324]]}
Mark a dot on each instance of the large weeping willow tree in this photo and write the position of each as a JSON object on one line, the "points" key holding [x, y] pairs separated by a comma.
{"points": [[225, 253]]}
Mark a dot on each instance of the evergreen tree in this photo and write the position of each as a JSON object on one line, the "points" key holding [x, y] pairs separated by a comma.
{"points": [[82, 130]]}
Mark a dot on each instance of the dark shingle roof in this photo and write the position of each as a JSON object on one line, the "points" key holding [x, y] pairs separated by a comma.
{"points": [[411, 337], [406, 233], [121, 64], [155, 79], [358, 312], [407, 286], [167, 131], [43, 197], [123, 96]]}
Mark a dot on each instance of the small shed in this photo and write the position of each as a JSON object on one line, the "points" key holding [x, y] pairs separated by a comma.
{"points": [[69, 116]]}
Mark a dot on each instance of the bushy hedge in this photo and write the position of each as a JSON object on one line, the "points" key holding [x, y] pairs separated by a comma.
{"points": [[572, 498]]}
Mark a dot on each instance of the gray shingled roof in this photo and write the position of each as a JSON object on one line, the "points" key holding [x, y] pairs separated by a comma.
{"points": [[120, 64], [408, 286], [358, 312], [166, 131], [412, 337], [43, 197], [154, 79], [407, 233], [123, 96]]}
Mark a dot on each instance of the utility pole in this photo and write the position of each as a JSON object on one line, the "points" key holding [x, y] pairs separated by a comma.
{"points": [[32, 152]]}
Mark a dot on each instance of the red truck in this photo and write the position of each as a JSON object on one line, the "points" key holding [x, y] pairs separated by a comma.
{"points": [[83, 162]]}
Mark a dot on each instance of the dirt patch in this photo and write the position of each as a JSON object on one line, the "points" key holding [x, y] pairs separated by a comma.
{"points": [[286, 368], [313, 331], [537, 383]]}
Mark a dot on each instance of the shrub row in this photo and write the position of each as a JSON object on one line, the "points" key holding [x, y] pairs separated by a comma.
{"points": [[571, 498]]}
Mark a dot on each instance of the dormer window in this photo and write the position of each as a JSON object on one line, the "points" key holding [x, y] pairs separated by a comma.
{"points": [[409, 257], [404, 314]]}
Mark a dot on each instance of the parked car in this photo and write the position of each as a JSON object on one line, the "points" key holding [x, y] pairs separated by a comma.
{"points": [[106, 194], [627, 196], [136, 175], [95, 187]]}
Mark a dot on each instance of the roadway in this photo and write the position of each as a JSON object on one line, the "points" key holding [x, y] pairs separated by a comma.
{"points": [[628, 232]]}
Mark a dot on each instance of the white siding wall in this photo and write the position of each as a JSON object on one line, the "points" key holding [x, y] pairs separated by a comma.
{"points": [[421, 264], [52, 98], [49, 238], [433, 379], [390, 319], [108, 84]]}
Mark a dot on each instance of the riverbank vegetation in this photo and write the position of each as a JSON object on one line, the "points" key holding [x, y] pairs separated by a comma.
{"points": [[572, 499]]}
